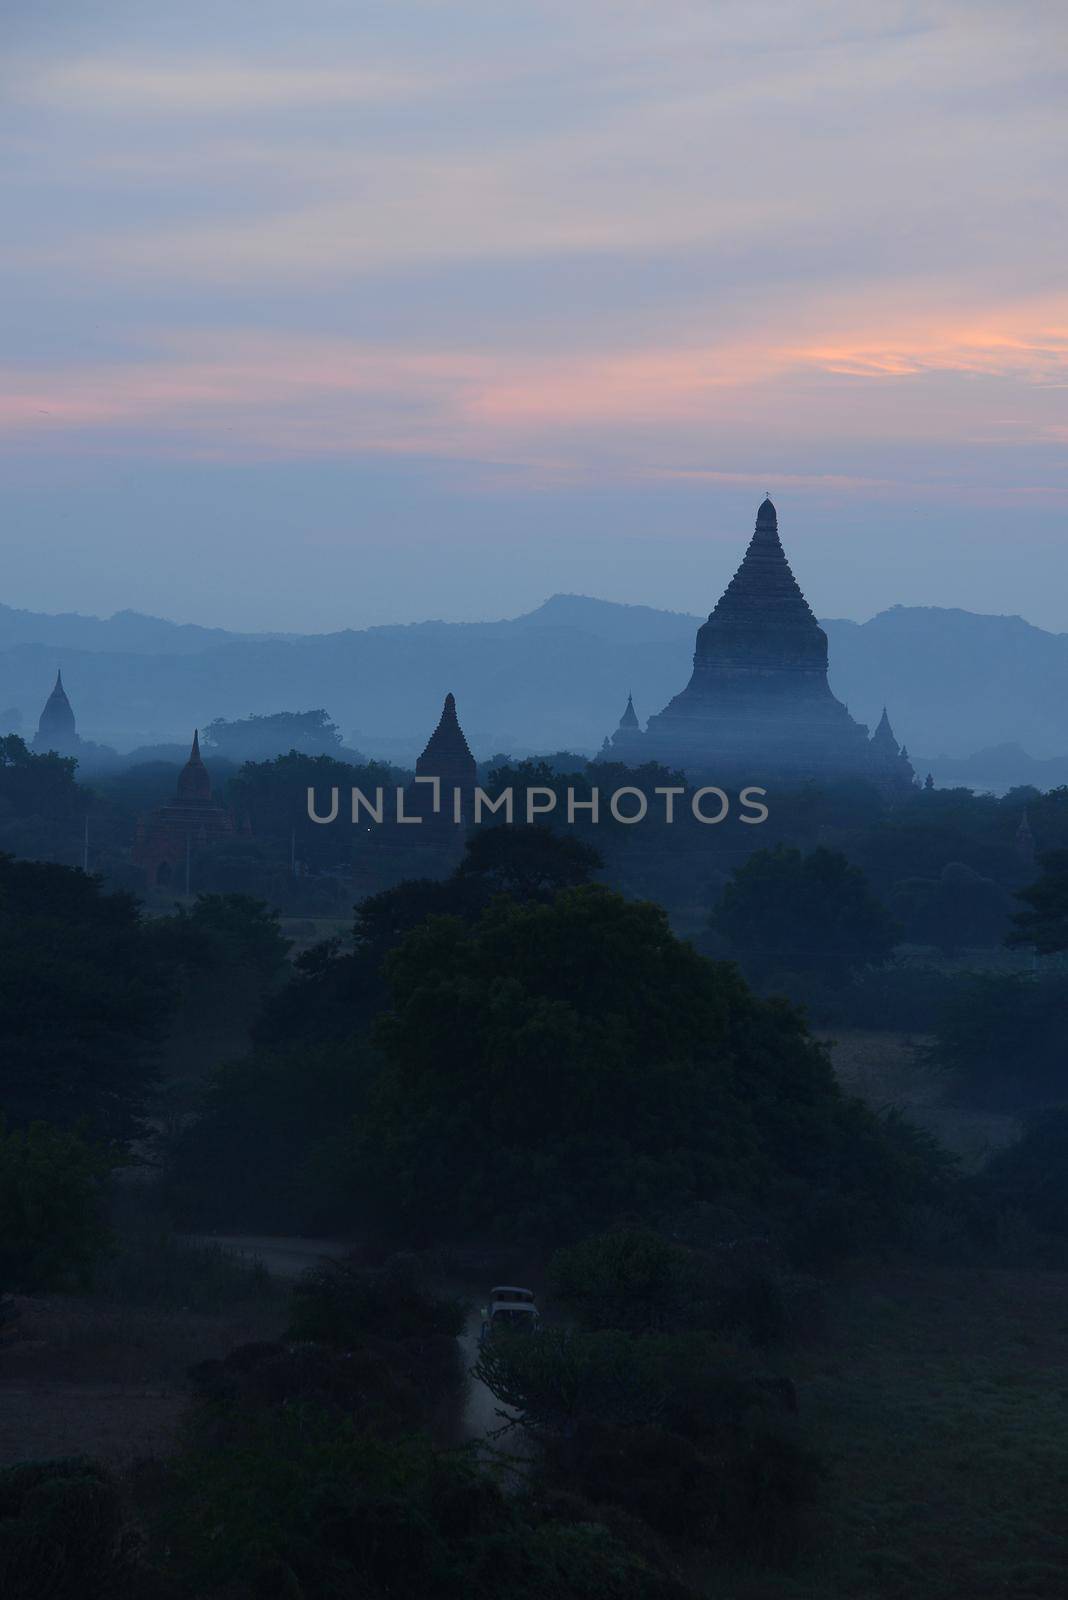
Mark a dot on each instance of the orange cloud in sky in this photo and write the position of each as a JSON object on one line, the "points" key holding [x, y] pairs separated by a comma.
{"points": [[241, 393]]}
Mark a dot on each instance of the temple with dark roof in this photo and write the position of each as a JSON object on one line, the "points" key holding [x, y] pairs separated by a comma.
{"points": [[626, 743], [758, 705], [56, 730], [448, 758], [168, 837]]}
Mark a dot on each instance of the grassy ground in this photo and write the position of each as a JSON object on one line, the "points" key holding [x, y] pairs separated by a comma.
{"points": [[940, 1402], [884, 1070], [105, 1374]]}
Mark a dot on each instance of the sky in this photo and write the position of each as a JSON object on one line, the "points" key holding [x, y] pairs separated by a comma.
{"points": [[324, 315]]}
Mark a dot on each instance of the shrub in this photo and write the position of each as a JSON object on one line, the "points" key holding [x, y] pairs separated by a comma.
{"points": [[373, 1385], [563, 1377], [341, 1303], [1028, 1181], [151, 1266], [52, 1227], [1003, 1039], [306, 1507], [61, 1534], [785, 912], [634, 1279], [248, 1159], [746, 1493], [901, 995]]}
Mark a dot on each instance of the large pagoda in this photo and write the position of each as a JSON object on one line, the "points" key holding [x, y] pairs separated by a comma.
{"points": [[758, 705]]}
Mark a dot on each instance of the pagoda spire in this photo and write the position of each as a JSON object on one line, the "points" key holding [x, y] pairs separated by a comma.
{"points": [[447, 751], [194, 781], [629, 719], [56, 729], [883, 737]]}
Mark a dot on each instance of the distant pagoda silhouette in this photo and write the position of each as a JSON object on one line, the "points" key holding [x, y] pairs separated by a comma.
{"points": [[168, 837], [56, 729], [626, 743], [758, 705], [448, 758]]}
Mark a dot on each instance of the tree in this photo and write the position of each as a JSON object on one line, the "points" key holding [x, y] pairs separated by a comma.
{"points": [[249, 1158], [273, 796], [784, 912], [226, 930], [1001, 1036], [529, 863], [52, 1226], [42, 807], [255, 738], [84, 1001], [551, 1066], [958, 910], [1044, 925]]}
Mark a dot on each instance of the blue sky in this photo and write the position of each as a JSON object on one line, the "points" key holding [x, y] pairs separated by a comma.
{"points": [[318, 316]]}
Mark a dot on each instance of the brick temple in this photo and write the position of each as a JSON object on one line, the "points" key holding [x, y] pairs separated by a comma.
{"points": [[758, 705], [170, 836]]}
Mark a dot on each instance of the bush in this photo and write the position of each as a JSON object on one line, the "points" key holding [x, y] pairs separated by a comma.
{"points": [[563, 1377], [341, 1303], [785, 912], [375, 1385], [634, 1279], [305, 1507], [1028, 1180], [151, 1266], [61, 1534], [248, 1160], [900, 996], [1003, 1039], [53, 1231], [747, 1494]]}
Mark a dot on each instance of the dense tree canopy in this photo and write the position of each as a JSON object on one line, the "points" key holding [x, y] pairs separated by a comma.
{"points": [[255, 738], [1044, 924], [83, 1001], [784, 912], [553, 1065]]}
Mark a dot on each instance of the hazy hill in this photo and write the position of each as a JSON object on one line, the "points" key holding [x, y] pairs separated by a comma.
{"points": [[126, 630], [954, 682]]}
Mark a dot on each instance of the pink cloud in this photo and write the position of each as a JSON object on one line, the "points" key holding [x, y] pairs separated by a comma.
{"points": [[641, 413]]}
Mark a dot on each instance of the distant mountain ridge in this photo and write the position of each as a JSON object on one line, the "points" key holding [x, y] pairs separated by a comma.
{"points": [[125, 630], [554, 678]]}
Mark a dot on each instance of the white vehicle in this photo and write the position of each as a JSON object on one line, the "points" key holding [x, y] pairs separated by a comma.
{"points": [[509, 1307]]}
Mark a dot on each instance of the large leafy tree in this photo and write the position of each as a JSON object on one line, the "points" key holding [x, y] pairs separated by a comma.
{"points": [[1044, 924], [785, 912], [553, 1065], [84, 999], [273, 797], [52, 1226]]}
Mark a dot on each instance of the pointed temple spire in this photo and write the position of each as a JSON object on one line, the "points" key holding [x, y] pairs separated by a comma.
{"points": [[629, 719], [758, 701], [170, 838], [56, 729], [447, 754], [883, 737], [194, 782]]}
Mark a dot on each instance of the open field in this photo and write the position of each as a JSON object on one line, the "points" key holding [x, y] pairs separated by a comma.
{"points": [[80, 1374], [939, 1400], [883, 1069]]}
